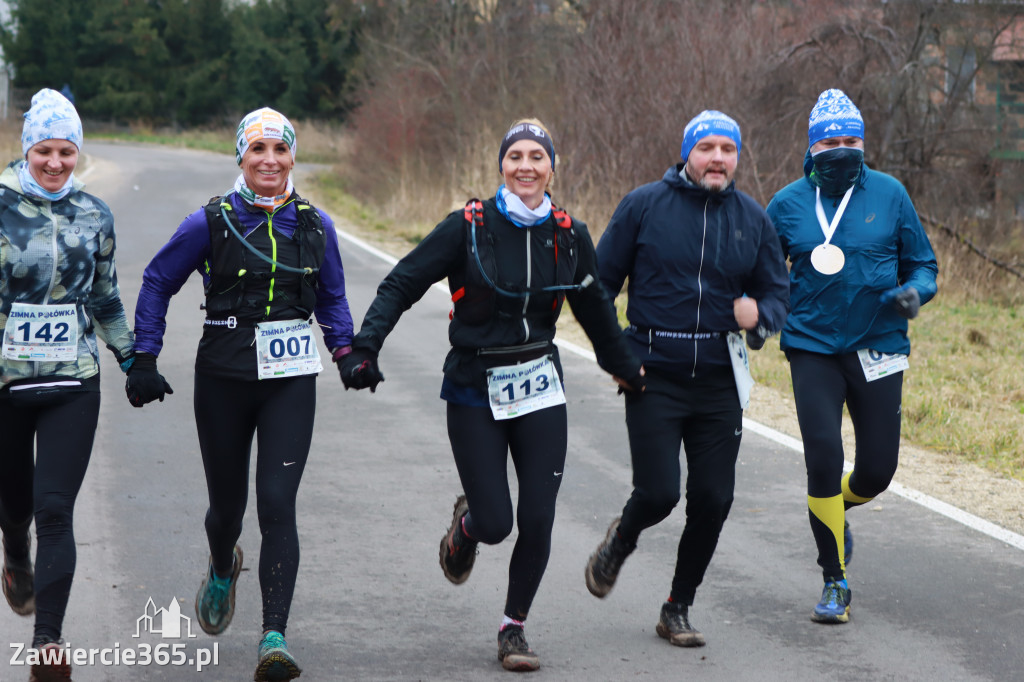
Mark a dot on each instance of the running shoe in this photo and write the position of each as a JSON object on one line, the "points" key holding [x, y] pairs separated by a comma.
{"points": [[674, 625], [215, 601], [606, 561], [54, 662], [513, 651], [276, 663], [458, 552], [18, 582], [834, 606], [847, 543]]}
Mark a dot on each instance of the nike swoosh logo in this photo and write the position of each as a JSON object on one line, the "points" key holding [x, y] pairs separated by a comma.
{"points": [[558, 473], [288, 464], [739, 432]]}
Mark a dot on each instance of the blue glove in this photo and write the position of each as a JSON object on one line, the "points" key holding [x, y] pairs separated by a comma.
{"points": [[905, 300]]}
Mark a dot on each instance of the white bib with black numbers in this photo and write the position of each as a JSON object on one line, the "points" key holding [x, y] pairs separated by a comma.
{"points": [[740, 367], [877, 365], [41, 332], [286, 349], [515, 390]]}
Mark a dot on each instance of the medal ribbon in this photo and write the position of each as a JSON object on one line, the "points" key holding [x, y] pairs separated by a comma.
{"points": [[827, 228]]}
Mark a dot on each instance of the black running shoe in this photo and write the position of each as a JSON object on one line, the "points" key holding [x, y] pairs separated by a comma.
{"points": [[458, 551], [19, 582], [674, 625], [604, 564], [513, 651]]}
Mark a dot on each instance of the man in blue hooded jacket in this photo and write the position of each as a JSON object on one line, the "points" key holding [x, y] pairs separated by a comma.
{"points": [[861, 266], [703, 262]]}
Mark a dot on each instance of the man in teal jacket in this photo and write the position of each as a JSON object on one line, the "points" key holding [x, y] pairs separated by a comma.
{"points": [[861, 266]]}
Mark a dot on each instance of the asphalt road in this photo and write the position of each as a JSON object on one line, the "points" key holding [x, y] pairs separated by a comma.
{"points": [[932, 599]]}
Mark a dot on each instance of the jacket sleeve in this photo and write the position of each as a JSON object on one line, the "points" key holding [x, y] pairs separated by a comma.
{"points": [[331, 310], [105, 305], [163, 278], [917, 265], [768, 283], [430, 262], [593, 308], [616, 248]]}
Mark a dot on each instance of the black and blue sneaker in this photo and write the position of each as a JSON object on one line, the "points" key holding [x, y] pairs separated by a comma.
{"points": [[834, 606], [215, 601], [276, 663]]}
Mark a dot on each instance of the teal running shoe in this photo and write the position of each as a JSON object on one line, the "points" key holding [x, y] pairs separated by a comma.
{"points": [[276, 663], [847, 543], [215, 601], [834, 606]]}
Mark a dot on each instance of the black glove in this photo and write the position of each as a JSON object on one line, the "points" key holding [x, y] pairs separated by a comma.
{"points": [[637, 384], [359, 370], [754, 340], [144, 383], [905, 300]]}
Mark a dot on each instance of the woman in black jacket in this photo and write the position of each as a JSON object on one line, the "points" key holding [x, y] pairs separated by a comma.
{"points": [[510, 262]]}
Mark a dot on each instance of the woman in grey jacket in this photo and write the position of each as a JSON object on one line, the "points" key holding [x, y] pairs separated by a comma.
{"points": [[58, 293]]}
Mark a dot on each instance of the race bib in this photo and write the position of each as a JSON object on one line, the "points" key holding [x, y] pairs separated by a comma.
{"points": [[286, 349], [877, 365], [41, 332], [740, 367], [515, 390]]}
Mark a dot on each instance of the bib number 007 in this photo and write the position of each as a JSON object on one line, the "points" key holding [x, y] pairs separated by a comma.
{"points": [[286, 349]]}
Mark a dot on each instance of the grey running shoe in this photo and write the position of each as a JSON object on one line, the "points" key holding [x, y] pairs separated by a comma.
{"points": [[513, 651], [458, 551], [604, 564], [215, 601], [18, 582], [674, 625], [276, 663]]}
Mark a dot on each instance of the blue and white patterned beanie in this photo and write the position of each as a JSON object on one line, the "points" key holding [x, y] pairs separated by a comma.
{"points": [[709, 122], [51, 117], [834, 115]]}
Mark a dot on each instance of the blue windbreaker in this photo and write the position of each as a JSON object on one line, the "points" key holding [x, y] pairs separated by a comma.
{"points": [[885, 247]]}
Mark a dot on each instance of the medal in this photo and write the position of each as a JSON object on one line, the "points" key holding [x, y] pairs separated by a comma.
{"points": [[827, 259]]}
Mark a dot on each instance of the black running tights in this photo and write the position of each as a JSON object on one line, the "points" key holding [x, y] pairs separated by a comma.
{"points": [[481, 445], [280, 414], [45, 454]]}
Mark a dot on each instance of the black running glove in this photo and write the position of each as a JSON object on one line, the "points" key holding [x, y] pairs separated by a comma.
{"points": [[905, 300], [359, 370], [754, 340], [144, 383]]}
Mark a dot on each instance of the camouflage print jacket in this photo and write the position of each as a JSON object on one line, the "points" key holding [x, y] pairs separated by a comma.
{"points": [[60, 252]]}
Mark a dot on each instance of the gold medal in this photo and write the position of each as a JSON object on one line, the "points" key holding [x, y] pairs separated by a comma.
{"points": [[827, 259]]}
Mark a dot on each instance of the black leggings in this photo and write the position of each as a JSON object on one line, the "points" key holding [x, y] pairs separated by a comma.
{"points": [[280, 413], [704, 417], [481, 446], [46, 451], [821, 385]]}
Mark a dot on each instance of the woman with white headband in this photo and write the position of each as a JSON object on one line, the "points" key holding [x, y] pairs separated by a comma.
{"points": [[58, 294], [510, 262], [270, 262]]}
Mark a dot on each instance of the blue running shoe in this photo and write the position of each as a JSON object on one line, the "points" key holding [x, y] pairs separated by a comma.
{"points": [[834, 606], [215, 601], [276, 663], [847, 543]]}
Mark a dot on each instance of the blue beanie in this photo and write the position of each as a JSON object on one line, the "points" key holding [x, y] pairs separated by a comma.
{"points": [[51, 117], [834, 115], [709, 122]]}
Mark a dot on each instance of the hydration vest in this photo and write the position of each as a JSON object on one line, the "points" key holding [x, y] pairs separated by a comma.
{"points": [[476, 301], [239, 280]]}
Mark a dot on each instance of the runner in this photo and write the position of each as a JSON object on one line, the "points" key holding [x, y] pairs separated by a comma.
{"points": [[703, 263], [510, 261], [861, 266], [269, 262], [58, 293]]}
